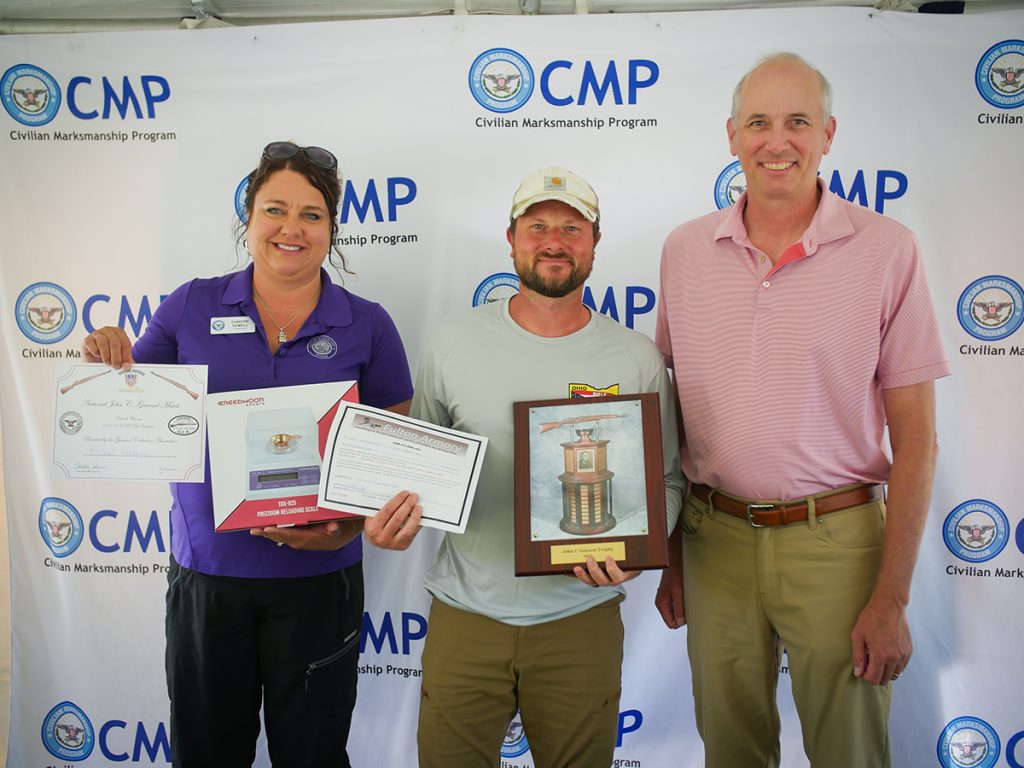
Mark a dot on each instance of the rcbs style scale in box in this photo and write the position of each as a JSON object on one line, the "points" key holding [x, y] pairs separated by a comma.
{"points": [[266, 449]]}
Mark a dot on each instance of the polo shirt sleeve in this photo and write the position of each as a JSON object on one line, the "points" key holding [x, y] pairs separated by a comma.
{"points": [[669, 447], [159, 342], [662, 336], [912, 351], [385, 380], [429, 403]]}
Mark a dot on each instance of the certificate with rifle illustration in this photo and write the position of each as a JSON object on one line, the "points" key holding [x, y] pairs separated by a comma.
{"points": [[148, 423]]}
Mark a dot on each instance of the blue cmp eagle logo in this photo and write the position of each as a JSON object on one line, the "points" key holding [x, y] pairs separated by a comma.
{"points": [[730, 184], [45, 312], [976, 530], [999, 76], [515, 743], [496, 287], [29, 94], [501, 80], [968, 742], [60, 525], [67, 732], [991, 308]]}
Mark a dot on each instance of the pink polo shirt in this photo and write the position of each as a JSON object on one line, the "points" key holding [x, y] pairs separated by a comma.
{"points": [[781, 370]]}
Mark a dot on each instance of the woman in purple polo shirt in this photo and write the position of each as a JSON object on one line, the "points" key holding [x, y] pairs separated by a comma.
{"points": [[272, 618]]}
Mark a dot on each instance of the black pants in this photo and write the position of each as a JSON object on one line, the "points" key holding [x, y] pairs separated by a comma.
{"points": [[290, 644]]}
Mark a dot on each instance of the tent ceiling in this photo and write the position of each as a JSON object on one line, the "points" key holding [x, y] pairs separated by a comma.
{"points": [[21, 16]]}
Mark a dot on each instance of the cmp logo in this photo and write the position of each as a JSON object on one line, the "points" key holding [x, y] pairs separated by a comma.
{"points": [[976, 531], [45, 312], [67, 732], [70, 422], [60, 525], [501, 80], [515, 743], [1000, 75], [323, 347], [240, 191], [968, 742], [991, 308], [497, 287], [30, 95], [730, 184]]}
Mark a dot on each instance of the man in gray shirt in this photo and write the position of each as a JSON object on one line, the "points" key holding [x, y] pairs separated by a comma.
{"points": [[550, 646]]}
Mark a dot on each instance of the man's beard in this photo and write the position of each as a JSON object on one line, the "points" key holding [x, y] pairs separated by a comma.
{"points": [[553, 288]]}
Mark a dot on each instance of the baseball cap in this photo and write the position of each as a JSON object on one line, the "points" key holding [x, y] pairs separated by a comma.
{"points": [[555, 183]]}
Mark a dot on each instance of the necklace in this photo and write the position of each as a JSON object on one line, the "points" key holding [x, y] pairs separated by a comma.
{"points": [[281, 337]]}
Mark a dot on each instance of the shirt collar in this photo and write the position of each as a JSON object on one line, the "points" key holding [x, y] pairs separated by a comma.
{"points": [[336, 311], [831, 222], [239, 287]]}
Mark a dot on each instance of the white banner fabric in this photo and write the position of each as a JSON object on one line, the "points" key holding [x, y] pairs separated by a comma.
{"points": [[120, 160]]}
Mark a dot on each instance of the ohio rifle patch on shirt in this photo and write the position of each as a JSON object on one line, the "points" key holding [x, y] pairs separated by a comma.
{"points": [[585, 390]]}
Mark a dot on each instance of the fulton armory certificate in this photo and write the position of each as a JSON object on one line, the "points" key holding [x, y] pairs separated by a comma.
{"points": [[372, 454], [148, 423]]}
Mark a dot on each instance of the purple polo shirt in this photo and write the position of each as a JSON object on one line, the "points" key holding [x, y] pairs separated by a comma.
{"points": [[355, 340]]}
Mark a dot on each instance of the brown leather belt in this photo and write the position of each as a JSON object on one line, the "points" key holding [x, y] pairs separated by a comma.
{"points": [[764, 513]]}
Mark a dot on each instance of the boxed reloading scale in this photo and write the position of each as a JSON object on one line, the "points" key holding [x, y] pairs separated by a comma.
{"points": [[266, 453]]}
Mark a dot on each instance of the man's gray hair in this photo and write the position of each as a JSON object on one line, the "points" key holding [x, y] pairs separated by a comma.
{"points": [[826, 87]]}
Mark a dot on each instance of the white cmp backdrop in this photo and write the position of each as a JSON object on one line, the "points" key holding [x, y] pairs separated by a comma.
{"points": [[120, 159]]}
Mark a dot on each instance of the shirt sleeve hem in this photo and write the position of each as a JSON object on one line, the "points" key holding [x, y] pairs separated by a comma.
{"points": [[917, 375]]}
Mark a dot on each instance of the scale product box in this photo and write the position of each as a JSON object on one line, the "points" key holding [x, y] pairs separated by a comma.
{"points": [[266, 453]]}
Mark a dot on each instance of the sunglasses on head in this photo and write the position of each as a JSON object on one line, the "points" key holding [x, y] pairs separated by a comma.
{"points": [[282, 150]]}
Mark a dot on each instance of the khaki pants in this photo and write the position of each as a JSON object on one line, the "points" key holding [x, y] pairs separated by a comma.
{"points": [[751, 592], [564, 676]]}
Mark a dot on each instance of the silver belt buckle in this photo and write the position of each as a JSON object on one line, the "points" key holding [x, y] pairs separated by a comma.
{"points": [[752, 508]]}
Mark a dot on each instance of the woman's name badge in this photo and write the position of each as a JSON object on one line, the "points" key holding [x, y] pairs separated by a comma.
{"points": [[221, 325]]}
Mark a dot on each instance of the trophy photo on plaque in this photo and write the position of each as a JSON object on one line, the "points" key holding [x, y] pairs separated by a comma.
{"points": [[587, 501], [589, 482]]}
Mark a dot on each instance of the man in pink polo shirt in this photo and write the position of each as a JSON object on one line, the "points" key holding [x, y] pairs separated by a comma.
{"points": [[798, 326]]}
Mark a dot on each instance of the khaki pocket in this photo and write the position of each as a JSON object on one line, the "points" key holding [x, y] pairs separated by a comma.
{"points": [[854, 528], [692, 516]]}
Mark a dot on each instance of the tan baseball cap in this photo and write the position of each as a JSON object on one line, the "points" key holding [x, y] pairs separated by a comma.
{"points": [[555, 183]]}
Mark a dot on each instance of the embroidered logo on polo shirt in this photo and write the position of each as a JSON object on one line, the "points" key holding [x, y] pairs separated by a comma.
{"points": [[323, 347], [968, 742], [585, 390], [976, 530], [515, 743]]}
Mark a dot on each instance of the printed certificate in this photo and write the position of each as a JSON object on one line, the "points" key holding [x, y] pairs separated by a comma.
{"points": [[373, 454], [148, 423]]}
